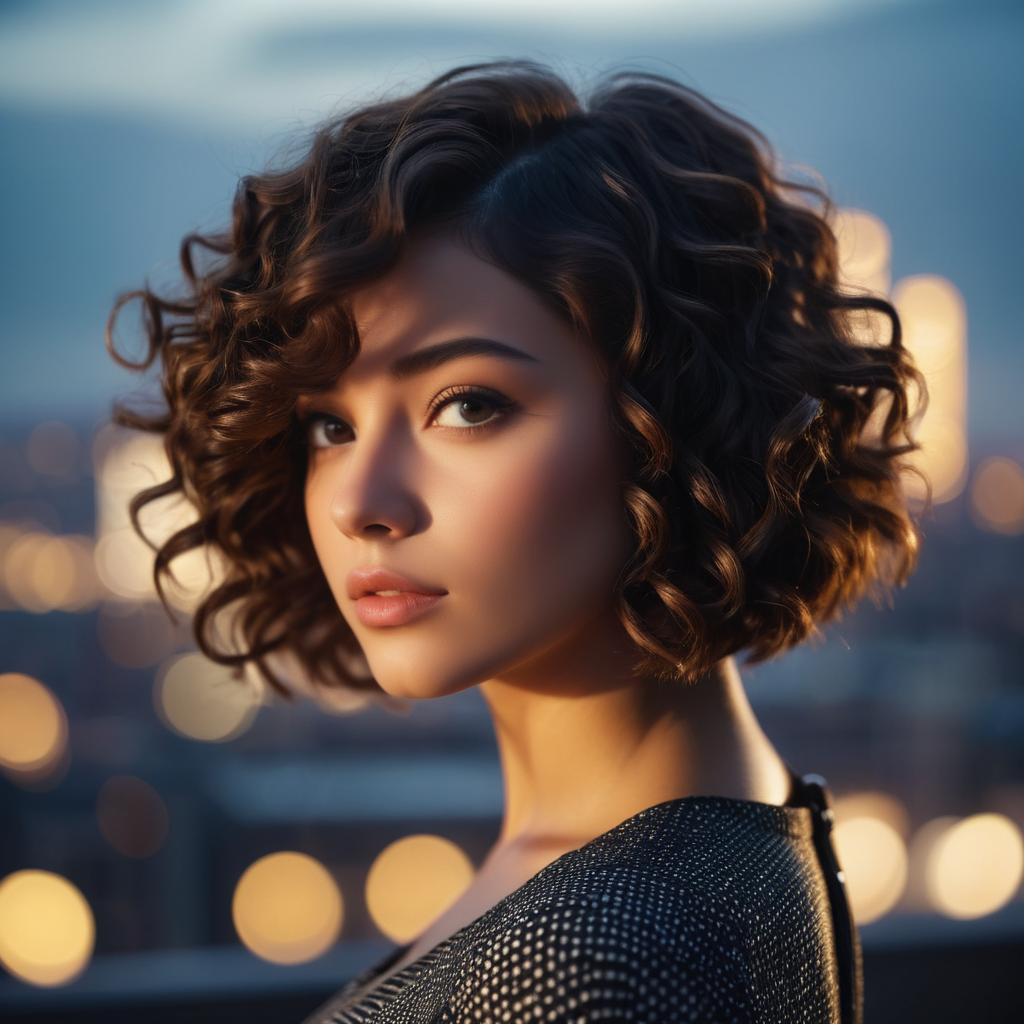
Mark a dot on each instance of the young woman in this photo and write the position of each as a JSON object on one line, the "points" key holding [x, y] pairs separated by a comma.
{"points": [[497, 388]]}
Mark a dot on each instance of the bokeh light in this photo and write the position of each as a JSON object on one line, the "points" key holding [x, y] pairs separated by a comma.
{"points": [[976, 865], [869, 841], [412, 881], [43, 572], [196, 572], [11, 533], [865, 247], [944, 456], [19, 574], [126, 465], [47, 929], [84, 590], [33, 727], [340, 701], [934, 319], [199, 699], [124, 564], [997, 495], [287, 908], [132, 816], [864, 253]]}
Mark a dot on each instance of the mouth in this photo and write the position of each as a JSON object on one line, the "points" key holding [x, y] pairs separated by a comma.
{"points": [[394, 608], [381, 582]]}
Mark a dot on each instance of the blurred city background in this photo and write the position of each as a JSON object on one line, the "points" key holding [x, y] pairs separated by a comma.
{"points": [[182, 845]]}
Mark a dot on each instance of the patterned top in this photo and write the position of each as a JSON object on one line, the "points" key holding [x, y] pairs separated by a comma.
{"points": [[697, 909]]}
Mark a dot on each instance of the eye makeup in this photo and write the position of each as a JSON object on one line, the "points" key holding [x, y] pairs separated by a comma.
{"points": [[500, 405]]}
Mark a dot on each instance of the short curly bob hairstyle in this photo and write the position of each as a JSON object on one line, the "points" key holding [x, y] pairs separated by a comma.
{"points": [[655, 223]]}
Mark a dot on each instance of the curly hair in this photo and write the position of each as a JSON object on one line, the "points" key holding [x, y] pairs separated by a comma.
{"points": [[655, 222]]}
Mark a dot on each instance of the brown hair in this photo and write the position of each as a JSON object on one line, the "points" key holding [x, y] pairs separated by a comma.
{"points": [[651, 219]]}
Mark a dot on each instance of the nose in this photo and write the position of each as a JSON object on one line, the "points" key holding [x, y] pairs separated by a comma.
{"points": [[370, 495]]}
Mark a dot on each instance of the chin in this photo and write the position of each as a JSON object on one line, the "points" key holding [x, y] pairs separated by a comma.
{"points": [[420, 684]]}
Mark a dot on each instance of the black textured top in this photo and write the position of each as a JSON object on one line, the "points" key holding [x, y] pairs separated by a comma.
{"points": [[697, 909]]}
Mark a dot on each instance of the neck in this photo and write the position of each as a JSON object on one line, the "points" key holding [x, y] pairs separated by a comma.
{"points": [[583, 745]]}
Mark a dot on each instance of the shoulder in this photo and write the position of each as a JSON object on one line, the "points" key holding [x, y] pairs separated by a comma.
{"points": [[605, 956]]}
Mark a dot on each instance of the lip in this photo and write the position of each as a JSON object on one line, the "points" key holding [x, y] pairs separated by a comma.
{"points": [[394, 609], [375, 577]]}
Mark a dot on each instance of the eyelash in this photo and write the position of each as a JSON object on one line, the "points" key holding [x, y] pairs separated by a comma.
{"points": [[498, 402]]}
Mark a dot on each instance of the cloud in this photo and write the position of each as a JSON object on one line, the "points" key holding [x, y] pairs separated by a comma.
{"points": [[242, 62]]}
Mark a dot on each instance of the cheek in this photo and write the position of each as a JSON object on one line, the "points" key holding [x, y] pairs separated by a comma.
{"points": [[543, 528]]}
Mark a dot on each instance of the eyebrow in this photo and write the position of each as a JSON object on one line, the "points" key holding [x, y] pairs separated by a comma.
{"points": [[425, 359], [429, 358]]}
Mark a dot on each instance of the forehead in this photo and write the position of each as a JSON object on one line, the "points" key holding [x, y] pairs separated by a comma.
{"points": [[440, 289]]}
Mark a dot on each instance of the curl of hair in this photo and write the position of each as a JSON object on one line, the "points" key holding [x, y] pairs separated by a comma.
{"points": [[762, 501]]}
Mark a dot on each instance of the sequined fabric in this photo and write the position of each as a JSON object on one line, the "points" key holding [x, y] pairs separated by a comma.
{"points": [[698, 909]]}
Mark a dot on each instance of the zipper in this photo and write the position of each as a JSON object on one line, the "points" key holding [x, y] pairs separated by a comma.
{"points": [[811, 790]]}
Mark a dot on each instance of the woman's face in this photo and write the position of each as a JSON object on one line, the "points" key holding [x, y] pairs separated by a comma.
{"points": [[507, 497]]}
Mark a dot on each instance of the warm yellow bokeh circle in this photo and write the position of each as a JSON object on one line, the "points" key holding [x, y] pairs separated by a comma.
{"points": [[199, 699], [47, 929], [412, 881], [287, 908], [33, 725], [975, 867], [873, 857]]}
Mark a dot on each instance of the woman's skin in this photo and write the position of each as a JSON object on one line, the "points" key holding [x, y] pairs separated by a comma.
{"points": [[522, 522]]}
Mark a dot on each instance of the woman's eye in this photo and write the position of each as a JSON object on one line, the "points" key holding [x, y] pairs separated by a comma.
{"points": [[311, 424], [468, 406], [470, 409]]}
